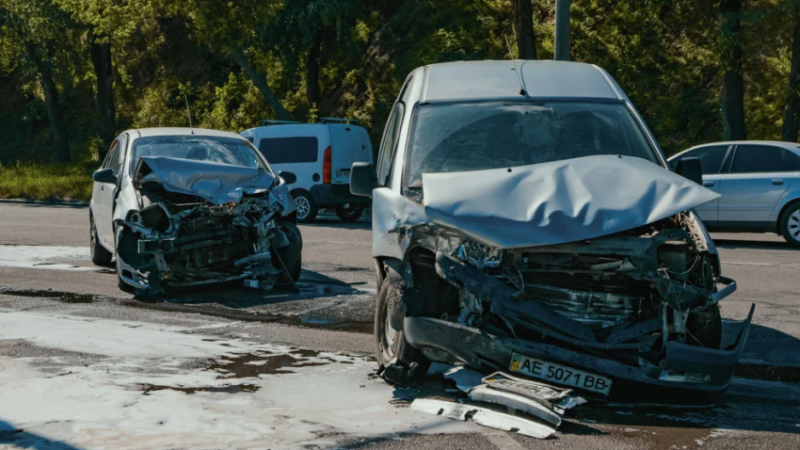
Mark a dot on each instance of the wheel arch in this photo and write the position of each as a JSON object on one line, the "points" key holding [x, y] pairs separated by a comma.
{"points": [[781, 215]]}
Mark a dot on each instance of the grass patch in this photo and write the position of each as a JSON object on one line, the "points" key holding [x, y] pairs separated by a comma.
{"points": [[58, 181]]}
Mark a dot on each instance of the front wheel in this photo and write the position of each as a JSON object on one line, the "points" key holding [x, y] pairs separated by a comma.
{"points": [[100, 256], [790, 225], [392, 349], [306, 208], [349, 213], [291, 255]]}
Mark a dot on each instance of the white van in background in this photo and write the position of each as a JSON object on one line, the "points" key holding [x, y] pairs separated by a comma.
{"points": [[321, 155]]}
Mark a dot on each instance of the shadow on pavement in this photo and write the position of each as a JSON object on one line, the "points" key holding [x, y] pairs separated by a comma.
{"points": [[753, 245], [325, 303], [65, 205], [19, 438], [770, 355], [312, 285], [336, 223]]}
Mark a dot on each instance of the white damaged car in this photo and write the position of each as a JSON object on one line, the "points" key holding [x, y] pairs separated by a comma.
{"points": [[184, 207], [525, 221]]}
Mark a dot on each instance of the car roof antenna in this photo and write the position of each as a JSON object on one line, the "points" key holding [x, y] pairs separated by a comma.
{"points": [[516, 69], [188, 113]]}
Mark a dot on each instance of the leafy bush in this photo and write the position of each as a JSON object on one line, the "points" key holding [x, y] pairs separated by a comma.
{"points": [[58, 181]]}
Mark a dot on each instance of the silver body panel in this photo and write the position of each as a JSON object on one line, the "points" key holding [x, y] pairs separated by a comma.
{"points": [[558, 202], [749, 201]]}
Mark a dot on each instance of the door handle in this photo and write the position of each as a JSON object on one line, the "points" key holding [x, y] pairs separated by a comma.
{"points": [[777, 181], [708, 183], [102, 188]]}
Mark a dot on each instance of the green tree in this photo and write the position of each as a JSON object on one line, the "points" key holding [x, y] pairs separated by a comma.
{"points": [[234, 28], [731, 43], [315, 29], [523, 27], [35, 30], [791, 117]]}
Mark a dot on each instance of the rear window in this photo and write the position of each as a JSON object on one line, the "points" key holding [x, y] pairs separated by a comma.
{"points": [[289, 150], [759, 159]]}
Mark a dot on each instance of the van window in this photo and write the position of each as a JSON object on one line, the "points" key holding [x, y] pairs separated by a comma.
{"points": [[289, 149]]}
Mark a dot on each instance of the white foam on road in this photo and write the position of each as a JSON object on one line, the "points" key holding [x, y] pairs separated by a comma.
{"points": [[44, 257], [97, 401]]}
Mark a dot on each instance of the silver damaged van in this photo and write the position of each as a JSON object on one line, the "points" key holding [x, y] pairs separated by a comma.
{"points": [[525, 221]]}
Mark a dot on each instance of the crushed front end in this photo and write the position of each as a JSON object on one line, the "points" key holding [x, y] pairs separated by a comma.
{"points": [[631, 317], [177, 239], [613, 291]]}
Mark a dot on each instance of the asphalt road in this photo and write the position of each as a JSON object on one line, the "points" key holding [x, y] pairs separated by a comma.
{"points": [[45, 275]]}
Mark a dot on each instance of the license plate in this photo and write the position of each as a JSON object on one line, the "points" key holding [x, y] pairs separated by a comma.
{"points": [[559, 374]]}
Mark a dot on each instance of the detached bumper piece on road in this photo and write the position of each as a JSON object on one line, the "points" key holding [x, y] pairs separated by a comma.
{"points": [[532, 409]]}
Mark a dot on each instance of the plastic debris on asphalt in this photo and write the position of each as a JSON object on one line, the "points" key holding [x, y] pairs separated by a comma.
{"points": [[533, 409]]}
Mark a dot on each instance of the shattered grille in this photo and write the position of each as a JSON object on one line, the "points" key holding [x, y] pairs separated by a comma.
{"points": [[598, 303], [593, 308], [586, 282]]}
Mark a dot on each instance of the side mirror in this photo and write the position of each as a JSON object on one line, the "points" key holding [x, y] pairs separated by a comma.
{"points": [[105, 176], [691, 168], [288, 177], [363, 179]]}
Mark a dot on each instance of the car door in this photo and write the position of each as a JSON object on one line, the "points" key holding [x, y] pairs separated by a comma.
{"points": [[711, 157], [758, 177], [343, 153], [103, 200]]}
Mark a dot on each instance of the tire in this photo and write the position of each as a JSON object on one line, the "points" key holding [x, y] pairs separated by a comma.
{"points": [[349, 215], [790, 225], [306, 208], [705, 328], [292, 255], [391, 345], [100, 256]]}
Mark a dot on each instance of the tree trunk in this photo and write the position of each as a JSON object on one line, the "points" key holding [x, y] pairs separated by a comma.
{"points": [[312, 72], [562, 30], [57, 126], [791, 114], [260, 83], [733, 81], [101, 59], [523, 25]]}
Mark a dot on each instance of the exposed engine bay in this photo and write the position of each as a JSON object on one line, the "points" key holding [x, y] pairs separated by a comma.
{"points": [[177, 239], [602, 283]]}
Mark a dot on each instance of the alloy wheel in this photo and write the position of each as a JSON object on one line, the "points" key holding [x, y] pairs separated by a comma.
{"points": [[388, 337], [794, 225], [303, 207]]}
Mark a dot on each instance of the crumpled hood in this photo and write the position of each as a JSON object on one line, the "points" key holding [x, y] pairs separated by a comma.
{"points": [[558, 202], [216, 183]]}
